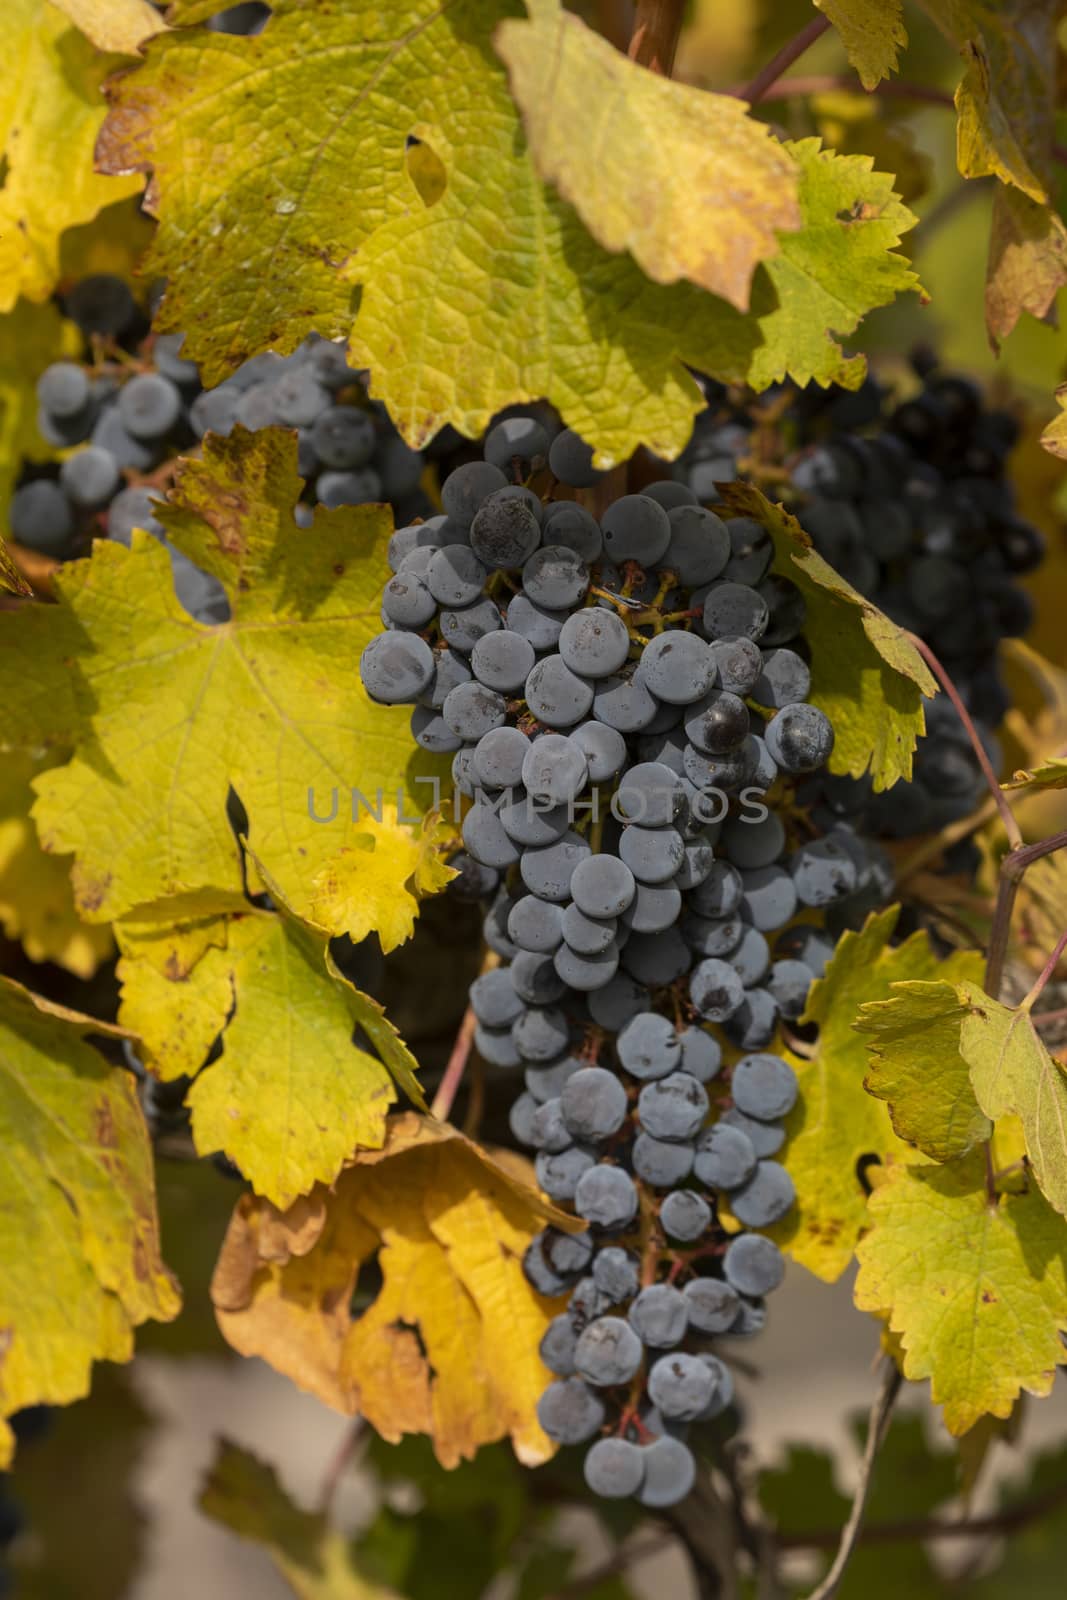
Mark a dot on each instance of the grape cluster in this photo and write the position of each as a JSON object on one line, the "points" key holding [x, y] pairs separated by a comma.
{"points": [[913, 505], [619, 696], [135, 403]]}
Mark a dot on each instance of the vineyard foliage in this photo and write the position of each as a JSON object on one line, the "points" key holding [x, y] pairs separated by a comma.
{"points": [[490, 203]]}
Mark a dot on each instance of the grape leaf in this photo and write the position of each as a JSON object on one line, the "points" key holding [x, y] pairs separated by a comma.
{"points": [[244, 1495], [1006, 107], [165, 714], [114, 242], [36, 899], [977, 1292], [77, 1208], [917, 1068], [1051, 774], [1034, 1556], [291, 1096], [686, 181], [1027, 261], [30, 338], [51, 111], [1013, 1074], [116, 25], [1003, 102], [258, 253], [449, 1227], [11, 579], [865, 673], [872, 32], [1054, 437], [836, 1123]]}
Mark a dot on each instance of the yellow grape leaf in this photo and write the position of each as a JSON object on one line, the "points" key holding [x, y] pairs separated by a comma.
{"points": [[836, 1123], [318, 1562], [80, 1263], [977, 1292], [852, 122], [30, 338], [1054, 437], [165, 714], [917, 1068], [51, 110], [448, 1227], [258, 253], [686, 181], [866, 674], [872, 32], [116, 25], [1013, 1074], [36, 899], [1027, 261], [1003, 103], [291, 1096]]}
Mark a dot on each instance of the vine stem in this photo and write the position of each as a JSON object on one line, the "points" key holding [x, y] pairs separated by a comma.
{"points": [[1007, 816], [654, 40], [889, 89], [916, 1530], [761, 85], [1027, 1003], [1012, 869], [881, 1411]]}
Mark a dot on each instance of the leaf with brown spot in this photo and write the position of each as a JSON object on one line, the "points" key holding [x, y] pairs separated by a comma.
{"points": [[448, 1227]]}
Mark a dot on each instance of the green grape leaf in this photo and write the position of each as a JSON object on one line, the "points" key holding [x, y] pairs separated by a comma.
{"points": [[165, 714], [1051, 774], [318, 1563], [836, 1123], [31, 337], [454, 241], [1033, 1557], [977, 1292], [911, 1479], [686, 181], [36, 898], [448, 1223], [872, 32], [917, 1069], [866, 674], [51, 110], [78, 1224], [1014, 1075], [291, 1096]]}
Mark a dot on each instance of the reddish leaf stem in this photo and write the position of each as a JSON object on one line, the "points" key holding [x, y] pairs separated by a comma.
{"points": [[760, 86], [448, 1088], [1026, 1004], [1012, 868], [888, 89], [657, 25], [1011, 827]]}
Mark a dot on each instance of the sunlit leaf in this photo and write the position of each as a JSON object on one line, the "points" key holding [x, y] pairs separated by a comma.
{"points": [[976, 1291], [448, 1227], [78, 1229]]}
